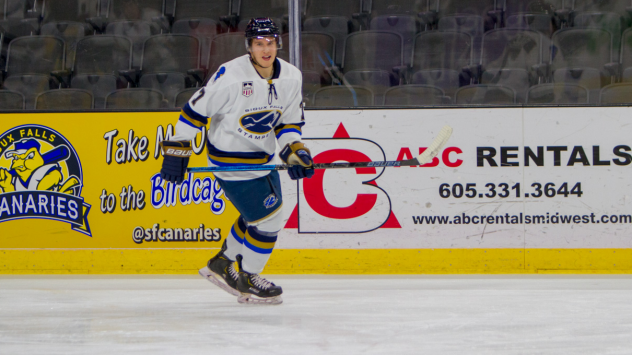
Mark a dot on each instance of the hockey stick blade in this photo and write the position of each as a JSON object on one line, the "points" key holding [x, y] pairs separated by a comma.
{"points": [[430, 152], [436, 146]]}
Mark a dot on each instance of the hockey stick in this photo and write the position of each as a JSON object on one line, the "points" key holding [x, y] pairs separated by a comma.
{"points": [[423, 158]]}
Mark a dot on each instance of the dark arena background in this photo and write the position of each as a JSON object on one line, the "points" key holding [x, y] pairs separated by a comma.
{"points": [[516, 238]]}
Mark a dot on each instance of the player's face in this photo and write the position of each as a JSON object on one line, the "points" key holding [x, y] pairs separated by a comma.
{"points": [[264, 51]]}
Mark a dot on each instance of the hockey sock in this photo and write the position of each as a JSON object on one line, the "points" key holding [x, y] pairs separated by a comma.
{"points": [[258, 246], [235, 239]]}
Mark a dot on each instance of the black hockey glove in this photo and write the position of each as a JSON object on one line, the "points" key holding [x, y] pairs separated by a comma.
{"points": [[176, 160], [299, 157]]}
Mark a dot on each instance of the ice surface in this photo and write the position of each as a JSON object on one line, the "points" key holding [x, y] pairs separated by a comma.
{"points": [[528, 314]]}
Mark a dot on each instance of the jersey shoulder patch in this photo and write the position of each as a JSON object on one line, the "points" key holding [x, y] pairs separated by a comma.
{"points": [[221, 71]]}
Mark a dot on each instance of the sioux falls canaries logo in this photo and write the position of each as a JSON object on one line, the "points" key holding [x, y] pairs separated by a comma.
{"points": [[41, 177]]}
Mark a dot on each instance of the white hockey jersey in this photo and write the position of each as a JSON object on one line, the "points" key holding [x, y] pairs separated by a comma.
{"points": [[247, 114]]}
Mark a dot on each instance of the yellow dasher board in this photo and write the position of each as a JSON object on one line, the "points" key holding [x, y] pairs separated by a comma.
{"points": [[81, 193], [91, 180]]}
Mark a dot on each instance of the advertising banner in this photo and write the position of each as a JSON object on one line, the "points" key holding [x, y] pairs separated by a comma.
{"points": [[91, 180], [510, 180]]}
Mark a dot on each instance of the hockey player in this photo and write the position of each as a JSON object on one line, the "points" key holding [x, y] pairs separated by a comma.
{"points": [[252, 102]]}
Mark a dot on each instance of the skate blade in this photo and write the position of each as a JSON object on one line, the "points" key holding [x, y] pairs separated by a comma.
{"points": [[247, 298], [216, 280]]}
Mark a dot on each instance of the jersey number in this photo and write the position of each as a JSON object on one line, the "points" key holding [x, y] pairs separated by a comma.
{"points": [[199, 96]]}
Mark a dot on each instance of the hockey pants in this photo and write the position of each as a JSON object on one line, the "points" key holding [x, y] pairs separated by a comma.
{"points": [[254, 234]]}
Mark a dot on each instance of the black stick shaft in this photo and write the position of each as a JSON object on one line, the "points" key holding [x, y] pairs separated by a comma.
{"points": [[341, 165]]}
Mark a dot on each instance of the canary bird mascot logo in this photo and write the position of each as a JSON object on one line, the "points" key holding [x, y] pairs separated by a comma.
{"points": [[41, 177]]}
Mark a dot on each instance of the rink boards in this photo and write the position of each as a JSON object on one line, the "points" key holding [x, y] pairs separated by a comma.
{"points": [[514, 191]]}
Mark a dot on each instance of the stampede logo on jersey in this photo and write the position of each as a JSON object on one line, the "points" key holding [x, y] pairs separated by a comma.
{"points": [[247, 88], [260, 122], [41, 177]]}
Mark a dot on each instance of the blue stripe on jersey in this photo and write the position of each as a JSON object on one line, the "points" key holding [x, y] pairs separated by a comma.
{"points": [[222, 158], [290, 127], [237, 161], [288, 130], [191, 114], [189, 123]]}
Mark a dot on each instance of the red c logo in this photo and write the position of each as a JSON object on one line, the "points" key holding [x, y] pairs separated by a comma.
{"points": [[315, 194]]}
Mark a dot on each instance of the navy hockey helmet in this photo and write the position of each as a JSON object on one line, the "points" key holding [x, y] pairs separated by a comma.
{"points": [[262, 27]]}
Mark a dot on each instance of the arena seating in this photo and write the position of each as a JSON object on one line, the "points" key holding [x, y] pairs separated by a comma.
{"points": [[275, 9], [135, 98], [336, 26], [202, 19], [398, 7], [64, 99], [542, 23], [13, 9], [557, 94], [166, 63], [204, 29], [137, 20], [377, 80], [13, 18], [438, 59], [579, 56], [135, 10], [541, 51], [97, 64], [11, 100], [225, 47], [608, 21], [137, 31], [544, 16], [70, 32], [616, 94], [216, 10], [338, 18], [67, 10], [415, 95], [510, 57], [484, 94], [625, 59], [30, 62], [318, 51], [536, 6], [342, 96], [380, 50], [406, 26], [325, 8], [183, 97], [472, 25], [312, 81]]}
